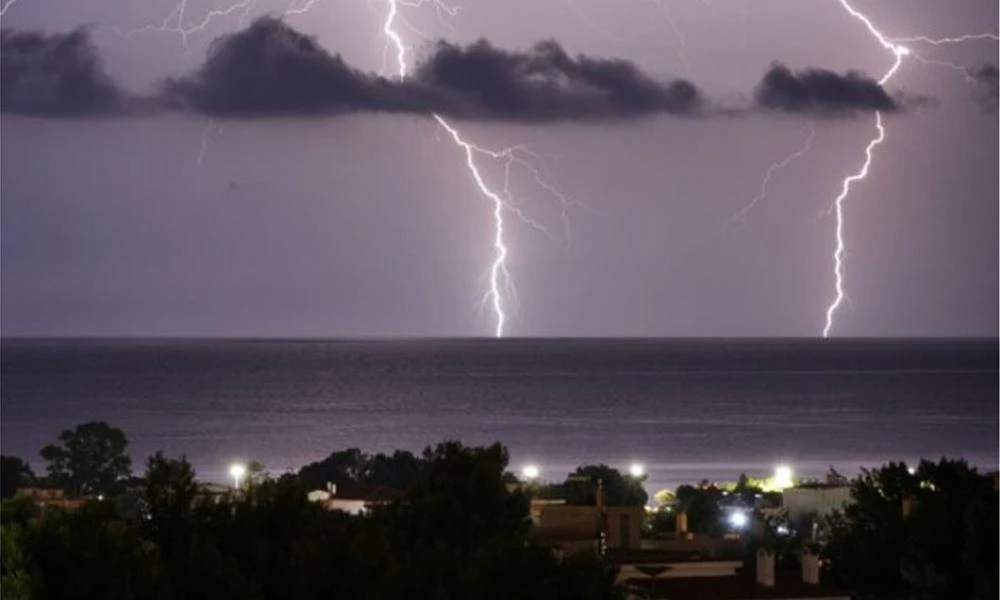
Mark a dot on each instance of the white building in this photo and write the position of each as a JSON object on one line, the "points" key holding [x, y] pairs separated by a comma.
{"points": [[815, 499]]}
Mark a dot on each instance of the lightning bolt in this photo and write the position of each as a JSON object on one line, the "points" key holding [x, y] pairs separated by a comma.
{"points": [[969, 37], [4, 7], [173, 23], [681, 38], [898, 52], [741, 215], [499, 275]]}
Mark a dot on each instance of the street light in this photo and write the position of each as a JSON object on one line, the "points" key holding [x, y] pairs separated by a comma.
{"points": [[237, 471], [738, 519], [783, 477], [636, 470], [530, 472]]}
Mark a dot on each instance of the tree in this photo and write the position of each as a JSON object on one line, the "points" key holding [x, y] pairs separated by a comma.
{"points": [[340, 468], [619, 490], [168, 498], [462, 533], [701, 504], [665, 497], [930, 534], [398, 470], [14, 474], [90, 459]]}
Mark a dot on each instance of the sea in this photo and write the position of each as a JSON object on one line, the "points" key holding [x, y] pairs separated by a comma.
{"points": [[686, 410]]}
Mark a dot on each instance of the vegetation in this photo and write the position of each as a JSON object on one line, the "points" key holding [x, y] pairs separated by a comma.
{"points": [[460, 532], [580, 487], [397, 470], [14, 474], [90, 459], [929, 534]]}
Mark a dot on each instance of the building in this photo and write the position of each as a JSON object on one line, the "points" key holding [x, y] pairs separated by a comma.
{"points": [[685, 578], [815, 499], [355, 499], [43, 497], [576, 529]]}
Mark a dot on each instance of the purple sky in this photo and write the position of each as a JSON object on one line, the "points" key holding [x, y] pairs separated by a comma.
{"points": [[370, 224]]}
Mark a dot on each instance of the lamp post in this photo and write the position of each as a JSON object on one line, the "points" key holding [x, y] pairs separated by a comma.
{"points": [[237, 471]]}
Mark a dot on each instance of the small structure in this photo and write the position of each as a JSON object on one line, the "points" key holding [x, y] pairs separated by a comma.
{"points": [[43, 497], [577, 529], [355, 499], [669, 575], [817, 499]]}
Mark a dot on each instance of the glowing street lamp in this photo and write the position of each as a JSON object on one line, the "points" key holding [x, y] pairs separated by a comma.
{"points": [[783, 477], [530, 472], [738, 519], [636, 470], [237, 471]]}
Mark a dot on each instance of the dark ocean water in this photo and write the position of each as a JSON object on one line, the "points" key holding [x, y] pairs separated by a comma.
{"points": [[686, 409]]}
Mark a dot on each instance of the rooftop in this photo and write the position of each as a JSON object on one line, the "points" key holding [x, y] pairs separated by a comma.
{"points": [[737, 587]]}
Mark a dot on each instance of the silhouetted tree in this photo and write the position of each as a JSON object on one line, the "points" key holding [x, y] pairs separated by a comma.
{"points": [[398, 470], [89, 459], [14, 474], [930, 534], [340, 468], [168, 500], [619, 490], [702, 505]]}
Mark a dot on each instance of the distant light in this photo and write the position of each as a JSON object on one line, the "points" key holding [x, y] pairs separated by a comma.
{"points": [[237, 471], [782, 530], [100, 497], [911, 470], [783, 477], [636, 470], [738, 519], [530, 472]]}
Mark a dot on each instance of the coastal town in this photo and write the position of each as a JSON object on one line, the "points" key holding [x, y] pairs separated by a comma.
{"points": [[774, 537]]}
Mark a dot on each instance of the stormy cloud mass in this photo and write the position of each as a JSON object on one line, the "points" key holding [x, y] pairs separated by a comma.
{"points": [[821, 92], [987, 79], [269, 68], [57, 74]]}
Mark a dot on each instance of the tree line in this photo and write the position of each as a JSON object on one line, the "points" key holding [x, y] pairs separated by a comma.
{"points": [[460, 532]]}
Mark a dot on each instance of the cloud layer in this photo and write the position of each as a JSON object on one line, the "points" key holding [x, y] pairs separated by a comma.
{"points": [[988, 80], [269, 69], [54, 75], [821, 92]]}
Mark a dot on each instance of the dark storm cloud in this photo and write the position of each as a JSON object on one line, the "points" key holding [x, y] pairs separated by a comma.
{"points": [[821, 92], [547, 83], [59, 74], [989, 88], [269, 68]]}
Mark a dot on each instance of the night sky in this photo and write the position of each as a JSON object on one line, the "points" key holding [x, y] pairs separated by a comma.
{"points": [[205, 220]]}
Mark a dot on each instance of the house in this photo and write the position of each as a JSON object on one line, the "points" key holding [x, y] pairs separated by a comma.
{"points": [[355, 499], [815, 499], [576, 529], [677, 578], [43, 497]]}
